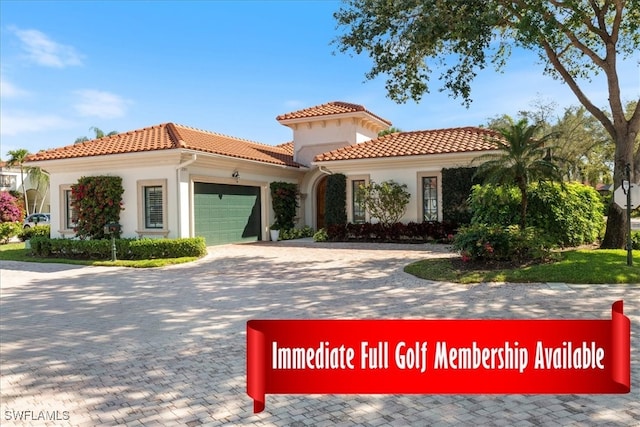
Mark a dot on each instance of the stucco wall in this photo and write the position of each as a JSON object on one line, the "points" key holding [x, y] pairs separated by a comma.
{"points": [[404, 170], [130, 178]]}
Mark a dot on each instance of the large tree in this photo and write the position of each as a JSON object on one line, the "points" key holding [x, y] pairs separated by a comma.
{"points": [[588, 147], [576, 39], [521, 159]]}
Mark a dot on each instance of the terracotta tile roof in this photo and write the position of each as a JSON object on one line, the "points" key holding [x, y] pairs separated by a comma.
{"points": [[287, 146], [171, 136], [416, 143], [328, 109]]}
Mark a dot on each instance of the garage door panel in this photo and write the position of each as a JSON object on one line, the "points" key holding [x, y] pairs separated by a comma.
{"points": [[227, 213]]}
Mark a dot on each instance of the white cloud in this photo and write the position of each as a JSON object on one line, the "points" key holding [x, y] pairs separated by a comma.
{"points": [[95, 103], [12, 124], [9, 90], [44, 51]]}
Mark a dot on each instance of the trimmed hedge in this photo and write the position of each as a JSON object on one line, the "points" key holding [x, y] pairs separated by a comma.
{"points": [[131, 249], [413, 232], [38, 230]]}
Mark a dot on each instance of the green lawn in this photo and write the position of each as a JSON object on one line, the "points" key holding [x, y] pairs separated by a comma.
{"points": [[578, 266], [17, 252]]}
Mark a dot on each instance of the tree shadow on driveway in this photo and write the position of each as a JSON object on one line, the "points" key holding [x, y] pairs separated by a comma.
{"points": [[167, 346]]}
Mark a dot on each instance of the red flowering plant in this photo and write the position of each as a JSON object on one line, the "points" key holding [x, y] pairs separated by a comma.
{"points": [[96, 200], [10, 208]]}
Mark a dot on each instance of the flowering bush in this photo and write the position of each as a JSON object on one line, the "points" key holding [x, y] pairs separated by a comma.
{"points": [[97, 200], [10, 208]]}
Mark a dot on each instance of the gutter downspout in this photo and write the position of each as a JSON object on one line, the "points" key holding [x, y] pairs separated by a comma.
{"points": [[182, 165], [328, 172]]}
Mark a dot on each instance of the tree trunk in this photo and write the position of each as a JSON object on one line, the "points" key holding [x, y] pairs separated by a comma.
{"points": [[615, 236], [24, 190]]}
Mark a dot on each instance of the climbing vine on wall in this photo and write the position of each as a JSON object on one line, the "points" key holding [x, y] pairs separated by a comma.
{"points": [[97, 200]]}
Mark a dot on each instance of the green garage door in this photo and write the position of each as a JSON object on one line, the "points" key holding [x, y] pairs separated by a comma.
{"points": [[226, 213]]}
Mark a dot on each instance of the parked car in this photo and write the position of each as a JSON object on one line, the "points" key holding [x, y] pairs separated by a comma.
{"points": [[37, 219]]}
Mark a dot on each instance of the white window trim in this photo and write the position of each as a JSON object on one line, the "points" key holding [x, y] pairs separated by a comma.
{"points": [[430, 174], [350, 179], [141, 229], [63, 230]]}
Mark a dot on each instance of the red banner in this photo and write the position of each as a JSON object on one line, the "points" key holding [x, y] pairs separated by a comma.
{"points": [[438, 356]]}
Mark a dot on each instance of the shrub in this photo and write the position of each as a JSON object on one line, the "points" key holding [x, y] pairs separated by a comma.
{"points": [[496, 243], [10, 208], [428, 231], [607, 199], [568, 214], [321, 236], [387, 201], [495, 205], [284, 199], [125, 248], [8, 230], [38, 230], [336, 199], [97, 200], [635, 240], [296, 233]]}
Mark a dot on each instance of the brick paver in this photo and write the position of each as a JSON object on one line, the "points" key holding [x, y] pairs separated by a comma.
{"points": [[116, 346]]}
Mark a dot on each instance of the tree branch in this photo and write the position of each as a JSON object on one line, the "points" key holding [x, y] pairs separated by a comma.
{"points": [[559, 67]]}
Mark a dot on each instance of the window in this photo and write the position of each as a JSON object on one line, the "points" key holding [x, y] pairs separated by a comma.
{"points": [[70, 215], [429, 198], [358, 210], [153, 207], [7, 181]]}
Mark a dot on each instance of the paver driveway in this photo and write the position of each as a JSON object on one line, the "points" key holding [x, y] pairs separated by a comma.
{"points": [[105, 346]]}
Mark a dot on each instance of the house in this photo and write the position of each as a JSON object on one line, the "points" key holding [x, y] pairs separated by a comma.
{"points": [[184, 182], [37, 193]]}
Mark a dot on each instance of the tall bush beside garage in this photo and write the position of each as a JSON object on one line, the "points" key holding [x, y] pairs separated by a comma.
{"points": [[97, 200], [456, 189], [336, 200], [284, 198]]}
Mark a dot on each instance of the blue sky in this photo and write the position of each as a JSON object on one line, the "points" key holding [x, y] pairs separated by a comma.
{"points": [[228, 67]]}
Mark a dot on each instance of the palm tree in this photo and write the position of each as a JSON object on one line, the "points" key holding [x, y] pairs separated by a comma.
{"points": [[99, 134], [40, 179], [17, 158], [389, 131], [521, 159]]}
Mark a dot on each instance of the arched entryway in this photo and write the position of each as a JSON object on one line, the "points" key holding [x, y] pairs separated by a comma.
{"points": [[321, 191]]}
